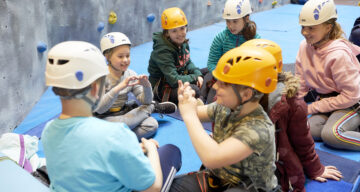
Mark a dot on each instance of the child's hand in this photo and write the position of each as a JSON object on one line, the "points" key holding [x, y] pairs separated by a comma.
{"points": [[186, 97], [129, 81], [149, 145], [200, 81], [143, 80], [330, 172], [151, 140]]}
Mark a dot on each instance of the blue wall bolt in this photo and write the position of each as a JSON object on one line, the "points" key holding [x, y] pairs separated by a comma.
{"points": [[150, 18], [100, 26], [41, 47]]}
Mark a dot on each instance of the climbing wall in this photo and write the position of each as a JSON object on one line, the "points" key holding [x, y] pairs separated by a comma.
{"points": [[28, 30]]}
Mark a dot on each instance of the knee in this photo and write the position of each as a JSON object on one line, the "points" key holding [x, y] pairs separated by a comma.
{"points": [[316, 124], [328, 136], [150, 123], [174, 153]]}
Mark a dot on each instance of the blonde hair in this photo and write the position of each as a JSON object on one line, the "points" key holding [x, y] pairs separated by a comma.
{"points": [[336, 32]]}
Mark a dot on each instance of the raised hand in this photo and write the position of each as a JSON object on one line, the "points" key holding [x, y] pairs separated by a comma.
{"points": [[200, 81], [144, 81], [187, 101], [149, 145]]}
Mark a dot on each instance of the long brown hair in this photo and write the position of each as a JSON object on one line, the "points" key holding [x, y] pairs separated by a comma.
{"points": [[249, 30]]}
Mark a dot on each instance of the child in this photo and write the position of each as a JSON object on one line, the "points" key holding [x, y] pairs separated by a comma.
{"points": [[114, 106], [330, 76], [84, 153], [241, 154], [90, 154], [239, 28], [170, 59], [294, 145], [355, 35]]}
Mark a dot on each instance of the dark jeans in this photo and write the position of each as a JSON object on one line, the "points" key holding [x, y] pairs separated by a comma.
{"points": [[199, 182], [170, 160]]}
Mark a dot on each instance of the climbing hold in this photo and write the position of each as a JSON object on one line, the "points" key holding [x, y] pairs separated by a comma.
{"points": [[150, 18], [260, 1], [274, 3], [112, 17], [100, 26], [209, 3], [359, 3], [41, 47]]}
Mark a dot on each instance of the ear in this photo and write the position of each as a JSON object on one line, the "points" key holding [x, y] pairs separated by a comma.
{"points": [[247, 94], [247, 19], [94, 90], [328, 27], [107, 56]]}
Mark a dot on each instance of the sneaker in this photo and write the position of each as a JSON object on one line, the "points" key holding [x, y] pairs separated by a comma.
{"points": [[164, 107]]}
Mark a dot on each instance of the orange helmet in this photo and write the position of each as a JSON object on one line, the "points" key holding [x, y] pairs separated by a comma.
{"points": [[172, 18], [250, 66], [269, 46]]}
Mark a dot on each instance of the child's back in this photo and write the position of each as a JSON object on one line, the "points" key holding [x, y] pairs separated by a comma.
{"points": [[101, 155]]}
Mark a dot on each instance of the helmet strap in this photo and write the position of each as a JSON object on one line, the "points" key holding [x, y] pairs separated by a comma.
{"points": [[88, 100], [325, 38], [321, 41], [95, 104], [238, 109], [112, 66]]}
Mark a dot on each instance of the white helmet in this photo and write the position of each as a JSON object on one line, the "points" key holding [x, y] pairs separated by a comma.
{"points": [[315, 12], [235, 9], [112, 40], [74, 65]]}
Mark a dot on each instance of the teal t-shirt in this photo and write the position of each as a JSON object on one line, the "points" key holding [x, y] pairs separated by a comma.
{"points": [[90, 154]]}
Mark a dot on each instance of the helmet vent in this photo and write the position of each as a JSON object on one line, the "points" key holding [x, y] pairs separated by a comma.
{"points": [[238, 59], [246, 58], [51, 61], [62, 61], [257, 59], [230, 61]]}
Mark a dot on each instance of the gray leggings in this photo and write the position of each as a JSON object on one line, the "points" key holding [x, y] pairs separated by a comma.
{"points": [[339, 129], [139, 120]]}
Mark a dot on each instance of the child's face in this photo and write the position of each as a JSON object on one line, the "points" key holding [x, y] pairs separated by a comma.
{"points": [[235, 25], [120, 58], [225, 94], [178, 35], [315, 33]]}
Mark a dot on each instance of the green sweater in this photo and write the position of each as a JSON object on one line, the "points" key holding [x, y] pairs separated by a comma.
{"points": [[170, 62], [223, 42]]}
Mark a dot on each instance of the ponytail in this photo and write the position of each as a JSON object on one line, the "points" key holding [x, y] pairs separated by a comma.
{"points": [[249, 30]]}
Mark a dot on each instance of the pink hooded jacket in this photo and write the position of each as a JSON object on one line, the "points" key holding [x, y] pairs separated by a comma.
{"points": [[332, 68]]}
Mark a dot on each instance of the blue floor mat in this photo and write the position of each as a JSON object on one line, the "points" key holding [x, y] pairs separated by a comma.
{"points": [[279, 25], [206, 125], [350, 169]]}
